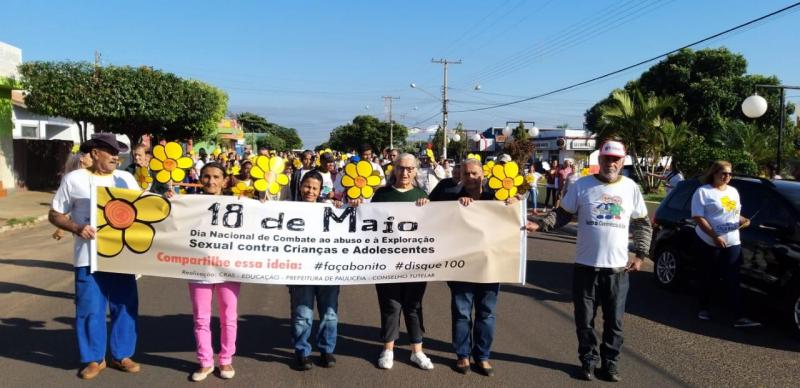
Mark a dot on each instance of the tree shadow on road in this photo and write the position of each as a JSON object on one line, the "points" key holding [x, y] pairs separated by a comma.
{"points": [[49, 264], [647, 300]]}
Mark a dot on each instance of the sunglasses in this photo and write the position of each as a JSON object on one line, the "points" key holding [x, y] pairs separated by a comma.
{"points": [[725, 173]]}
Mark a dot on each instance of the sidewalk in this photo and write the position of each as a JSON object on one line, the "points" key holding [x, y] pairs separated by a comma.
{"points": [[24, 207]]}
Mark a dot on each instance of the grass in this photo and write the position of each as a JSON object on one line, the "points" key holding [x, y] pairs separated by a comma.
{"points": [[658, 196], [20, 221]]}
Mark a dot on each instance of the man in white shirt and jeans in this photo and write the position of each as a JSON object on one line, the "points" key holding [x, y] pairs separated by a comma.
{"points": [[96, 292], [606, 205]]}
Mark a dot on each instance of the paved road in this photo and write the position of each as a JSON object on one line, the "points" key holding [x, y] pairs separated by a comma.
{"points": [[535, 342]]}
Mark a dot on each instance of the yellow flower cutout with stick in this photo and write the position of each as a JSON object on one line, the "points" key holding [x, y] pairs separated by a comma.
{"points": [[359, 180], [505, 179], [297, 163], [143, 178], [474, 156], [124, 219], [269, 175], [170, 163]]}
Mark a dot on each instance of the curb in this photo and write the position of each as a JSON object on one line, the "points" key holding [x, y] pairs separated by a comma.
{"points": [[8, 228]]}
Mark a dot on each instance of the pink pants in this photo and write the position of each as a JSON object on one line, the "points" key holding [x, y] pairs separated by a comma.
{"points": [[227, 295]]}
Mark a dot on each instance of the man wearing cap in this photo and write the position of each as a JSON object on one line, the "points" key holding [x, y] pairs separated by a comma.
{"points": [[96, 292], [606, 204]]}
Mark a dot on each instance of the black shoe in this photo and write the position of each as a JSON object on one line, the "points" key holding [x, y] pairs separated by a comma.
{"points": [[328, 360], [486, 371], [304, 363], [587, 371], [462, 369], [610, 373]]}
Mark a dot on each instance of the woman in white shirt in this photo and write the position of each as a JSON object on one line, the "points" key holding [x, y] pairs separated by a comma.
{"points": [[716, 207]]}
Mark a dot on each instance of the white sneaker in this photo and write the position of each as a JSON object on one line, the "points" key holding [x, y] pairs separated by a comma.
{"points": [[228, 372], [422, 361], [386, 360], [202, 373]]}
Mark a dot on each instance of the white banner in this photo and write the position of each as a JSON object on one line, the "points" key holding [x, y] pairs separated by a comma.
{"points": [[223, 238]]}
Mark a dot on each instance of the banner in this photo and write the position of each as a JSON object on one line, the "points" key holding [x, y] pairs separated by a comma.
{"points": [[224, 238]]}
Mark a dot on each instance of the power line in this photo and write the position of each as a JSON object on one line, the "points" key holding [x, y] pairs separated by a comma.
{"points": [[756, 20]]}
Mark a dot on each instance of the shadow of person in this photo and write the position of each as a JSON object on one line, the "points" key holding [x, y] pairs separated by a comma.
{"points": [[29, 341]]}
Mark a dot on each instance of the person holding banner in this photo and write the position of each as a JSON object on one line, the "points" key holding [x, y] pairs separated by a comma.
{"points": [[213, 178], [468, 339], [302, 299], [96, 292], [607, 205], [405, 298]]}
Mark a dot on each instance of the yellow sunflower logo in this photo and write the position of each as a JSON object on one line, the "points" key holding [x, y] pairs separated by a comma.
{"points": [[142, 175], [124, 218], [359, 180], [242, 188], [269, 175], [170, 163], [505, 179], [727, 204], [487, 168]]}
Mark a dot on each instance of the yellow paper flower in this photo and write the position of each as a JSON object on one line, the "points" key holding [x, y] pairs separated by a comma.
{"points": [[216, 152], [359, 180], [504, 180], [389, 169], [297, 163], [75, 148], [487, 168], [242, 188], [142, 175], [234, 170], [124, 219], [529, 178], [170, 163], [429, 153], [269, 175], [474, 156]]}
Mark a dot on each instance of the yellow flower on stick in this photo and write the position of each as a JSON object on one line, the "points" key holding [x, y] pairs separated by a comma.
{"points": [[142, 175], [124, 219], [269, 175], [297, 163], [474, 156], [505, 179], [359, 179], [170, 163]]}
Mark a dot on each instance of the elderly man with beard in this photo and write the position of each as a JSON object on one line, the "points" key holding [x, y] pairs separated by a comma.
{"points": [[606, 204]]}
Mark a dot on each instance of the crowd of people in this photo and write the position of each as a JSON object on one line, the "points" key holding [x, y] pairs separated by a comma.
{"points": [[607, 205]]}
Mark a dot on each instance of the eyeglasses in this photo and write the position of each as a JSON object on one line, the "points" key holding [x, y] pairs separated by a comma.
{"points": [[410, 169]]}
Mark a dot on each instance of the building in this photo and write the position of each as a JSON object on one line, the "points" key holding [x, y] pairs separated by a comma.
{"points": [[10, 58], [551, 144]]}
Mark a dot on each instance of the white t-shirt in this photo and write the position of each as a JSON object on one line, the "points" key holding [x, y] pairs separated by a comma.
{"points": [[673, 181], [72, 198], [327, 184], [721, 208], [428, 177], [604, 212]]}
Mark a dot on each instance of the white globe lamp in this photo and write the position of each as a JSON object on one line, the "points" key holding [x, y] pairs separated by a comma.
{"points": [[456, 137], [507, 131], [476, 137], [754, 106], [533, 131]]}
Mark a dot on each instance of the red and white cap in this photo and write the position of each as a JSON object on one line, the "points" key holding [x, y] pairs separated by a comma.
{"points": [[612, 148]]}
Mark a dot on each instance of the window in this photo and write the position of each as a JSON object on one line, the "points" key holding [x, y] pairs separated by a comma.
{"points": [[30, 131], [681, 198]]}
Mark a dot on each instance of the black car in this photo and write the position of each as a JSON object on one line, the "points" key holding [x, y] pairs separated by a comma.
{"points": [[770, 246]]}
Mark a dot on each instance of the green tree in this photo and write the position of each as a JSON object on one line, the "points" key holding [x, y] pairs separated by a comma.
{"points": [[274, 136], [455, 149], [636, 119], [696, 155], [123, 99], [366, 129], [519, 147]]}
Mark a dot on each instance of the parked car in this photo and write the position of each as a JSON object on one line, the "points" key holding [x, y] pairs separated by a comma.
{"points": [[770, 246]]}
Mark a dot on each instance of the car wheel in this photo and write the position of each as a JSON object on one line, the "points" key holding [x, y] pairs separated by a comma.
{"points": [[794, 310], [666, 268]]}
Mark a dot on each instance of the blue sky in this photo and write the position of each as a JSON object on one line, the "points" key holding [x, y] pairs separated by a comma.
{"points": [[314, 65]]}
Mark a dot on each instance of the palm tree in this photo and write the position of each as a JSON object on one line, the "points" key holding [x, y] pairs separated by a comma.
{"points": [[637, 120]]}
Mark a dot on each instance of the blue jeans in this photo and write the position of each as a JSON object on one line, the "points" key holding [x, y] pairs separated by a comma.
{"points": [[468, 339], [302, 299], [94, 294], [533, 198], [592, 288]]}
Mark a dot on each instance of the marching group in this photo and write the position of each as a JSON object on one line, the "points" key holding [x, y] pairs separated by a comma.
{"points": [[608, 207]]}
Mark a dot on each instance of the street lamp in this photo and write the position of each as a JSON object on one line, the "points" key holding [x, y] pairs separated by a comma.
{"points": [[532, 131], [755, 106]]}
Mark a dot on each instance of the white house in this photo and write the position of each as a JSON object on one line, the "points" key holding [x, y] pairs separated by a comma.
{"points": [[29, 125]]}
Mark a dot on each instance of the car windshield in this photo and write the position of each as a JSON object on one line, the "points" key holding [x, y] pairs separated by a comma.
{"points": [[790, 190]]}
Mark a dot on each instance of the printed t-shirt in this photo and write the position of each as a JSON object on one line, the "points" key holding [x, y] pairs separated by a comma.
{"points": [[604, 212], [721, 208]]}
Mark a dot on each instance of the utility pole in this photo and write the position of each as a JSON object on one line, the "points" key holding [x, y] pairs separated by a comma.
{"points": [[388, 99], [445, 62]]}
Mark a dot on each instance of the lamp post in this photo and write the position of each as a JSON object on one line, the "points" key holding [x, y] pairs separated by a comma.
{"points": [[755, 106]]}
